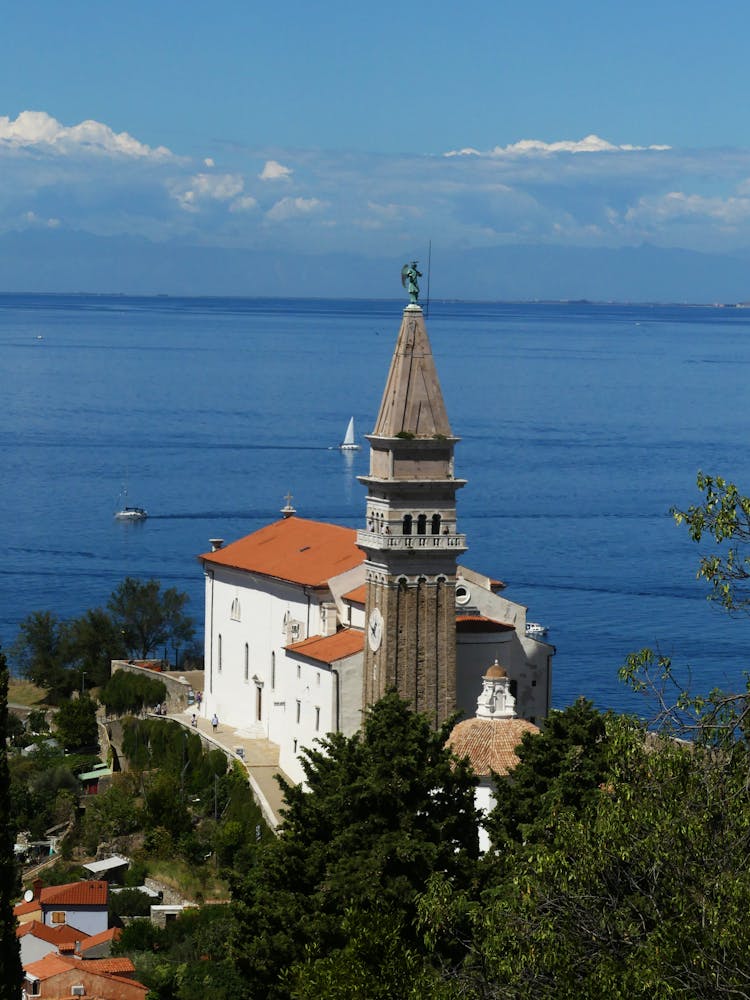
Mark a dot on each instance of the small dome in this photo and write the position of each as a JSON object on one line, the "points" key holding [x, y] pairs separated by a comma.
{"points": [[496, 671], [490, 744]]}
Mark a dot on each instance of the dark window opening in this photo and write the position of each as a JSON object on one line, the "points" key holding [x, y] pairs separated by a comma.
{"points": [[407, 524], [436, 524], [422, 524]]}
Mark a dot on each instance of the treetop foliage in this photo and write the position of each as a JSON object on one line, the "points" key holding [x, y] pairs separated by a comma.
{"points": [[63, 657], [724, 516], [383, 809]]}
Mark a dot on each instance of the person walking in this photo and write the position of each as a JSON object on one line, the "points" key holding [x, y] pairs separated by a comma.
{"points": [[215, 722]]}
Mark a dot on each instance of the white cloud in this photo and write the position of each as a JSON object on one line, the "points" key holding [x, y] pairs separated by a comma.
{"points": [[244, 204], [38, 130], [678, 206], [535, 147], [208, 162], [207, 187], [274, 171], [33, 220], [289, 208]]}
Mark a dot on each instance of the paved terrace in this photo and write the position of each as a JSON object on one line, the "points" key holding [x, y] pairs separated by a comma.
{"points": [[259, 757]]}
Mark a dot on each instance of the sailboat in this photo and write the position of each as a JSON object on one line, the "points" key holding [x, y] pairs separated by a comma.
{"points": [[126, 513], [349, 444]]}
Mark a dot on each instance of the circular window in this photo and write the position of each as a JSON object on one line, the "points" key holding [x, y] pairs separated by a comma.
{"points": [[463, 594]]}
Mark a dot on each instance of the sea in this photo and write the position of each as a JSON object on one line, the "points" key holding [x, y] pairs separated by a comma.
{"points": [[581, 425]]}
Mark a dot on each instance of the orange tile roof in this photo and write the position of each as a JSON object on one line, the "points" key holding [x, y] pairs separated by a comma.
{"points": [[92, 893], [480, 623], [114, 966], [358, 595], [111, 934], [20, 909], [53, 965], [293, 549], [490, 744], [60, 934], [330, 648]]}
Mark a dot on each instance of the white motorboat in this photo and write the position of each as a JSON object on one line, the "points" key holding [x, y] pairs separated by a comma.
{"points": [[534, 628], [127, 513], [131, 514], [349, 444]]}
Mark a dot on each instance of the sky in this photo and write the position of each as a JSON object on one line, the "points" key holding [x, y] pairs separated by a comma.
{"points": [[375, 128]]}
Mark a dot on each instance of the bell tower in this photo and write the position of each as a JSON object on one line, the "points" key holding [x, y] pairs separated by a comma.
{"points": [[411, 541]]}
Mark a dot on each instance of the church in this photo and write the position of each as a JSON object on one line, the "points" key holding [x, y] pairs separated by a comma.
{"points": [[308, 623]]}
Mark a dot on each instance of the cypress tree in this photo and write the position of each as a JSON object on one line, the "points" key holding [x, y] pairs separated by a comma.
{"points": [[11, 972]]}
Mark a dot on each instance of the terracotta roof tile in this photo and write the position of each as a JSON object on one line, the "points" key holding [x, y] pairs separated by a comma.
{"points": [[53, 965], [111, 934], [113, 966], [358, 595], [92, 893], [480, 623], [329, 649], [489, 744], [293, 549], [60, 934], [21, 909]]}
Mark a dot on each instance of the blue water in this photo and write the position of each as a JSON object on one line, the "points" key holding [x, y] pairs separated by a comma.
{"points": [[581, 425]]}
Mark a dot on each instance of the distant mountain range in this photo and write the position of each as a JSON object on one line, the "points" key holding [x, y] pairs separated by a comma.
{"points": [[68, 261]]}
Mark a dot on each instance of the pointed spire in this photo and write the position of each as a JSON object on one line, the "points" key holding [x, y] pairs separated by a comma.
{"points": [[412, 403]]}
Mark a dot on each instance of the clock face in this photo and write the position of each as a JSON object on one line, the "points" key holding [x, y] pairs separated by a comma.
{"points": [[375, 629]]}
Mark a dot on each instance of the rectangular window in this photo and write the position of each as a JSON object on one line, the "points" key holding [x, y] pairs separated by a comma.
{"points": [[273, 671], [295, 746], [299, 671], [36, 988], [299, 710], [317, 718], [247, 662], [58, 917], [219, 654]]}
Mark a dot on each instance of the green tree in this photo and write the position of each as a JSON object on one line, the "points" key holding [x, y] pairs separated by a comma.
{"points": [[75, 723], [148, 617], [92, 642], [559, 769], [40, 654], [10, 956], [126, 692], [724, 516], [379, 812]]}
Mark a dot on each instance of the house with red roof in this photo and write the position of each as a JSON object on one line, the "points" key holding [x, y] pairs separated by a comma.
{"points": [[307, 622], [36, 939], [83, 905], [63, 976]]}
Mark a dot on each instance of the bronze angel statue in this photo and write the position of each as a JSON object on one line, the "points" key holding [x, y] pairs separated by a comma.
{"points": [[409, 275]]}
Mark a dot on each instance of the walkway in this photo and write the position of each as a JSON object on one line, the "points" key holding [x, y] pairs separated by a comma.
{"points": [[260, 758]]}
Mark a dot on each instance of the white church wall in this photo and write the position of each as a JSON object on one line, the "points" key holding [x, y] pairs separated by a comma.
{"points": [[245, 639], [302, 711], [350, 694], [484, 798]]}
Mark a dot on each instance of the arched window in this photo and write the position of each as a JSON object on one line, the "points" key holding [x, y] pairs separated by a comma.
{"points": [[422, 524], [247, 662], [436, 524], [235, 613], [407, 524], [258, 702]]}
